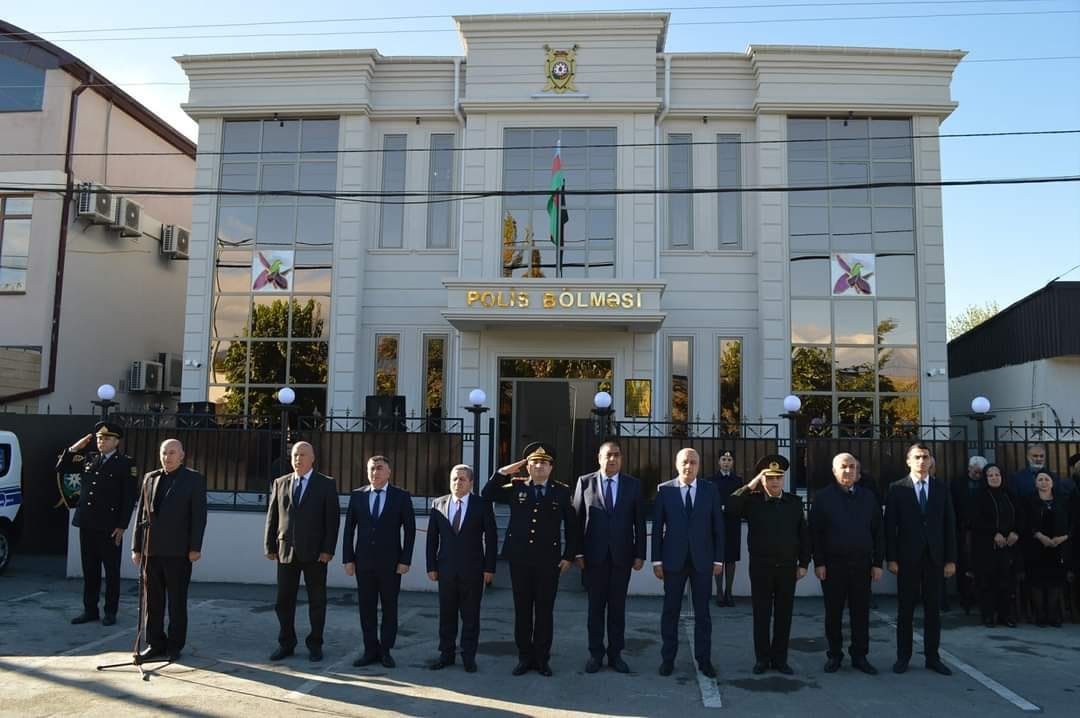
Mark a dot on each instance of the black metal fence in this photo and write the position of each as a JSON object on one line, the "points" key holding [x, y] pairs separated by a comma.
{"points": [[1011, 443]]}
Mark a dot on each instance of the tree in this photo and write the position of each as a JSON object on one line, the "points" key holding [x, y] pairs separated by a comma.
{"points": [[972, 316]]}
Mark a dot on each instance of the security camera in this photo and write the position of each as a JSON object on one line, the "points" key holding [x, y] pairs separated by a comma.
{"points": [[193, 363], [930, 372]]}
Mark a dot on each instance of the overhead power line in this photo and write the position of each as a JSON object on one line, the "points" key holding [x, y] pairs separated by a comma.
{"points": [[412, 31], [563, 145], [425, 197]]}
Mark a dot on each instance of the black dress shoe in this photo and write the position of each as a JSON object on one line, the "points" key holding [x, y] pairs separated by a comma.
{"points": [[174, 655], [387, 660], [760, 667], [666, 668], [988, 624], [84, 617], [864, 665], [470, 664], [281, 653], [783, 668], [1010, 623], [150, 654], [442, 663], [521, 668], [619, 665], [544, 669], [707, 669], [720, 601], [937, 666], [109, 619], [315, 655], [833, 665], [730, 602], [365, 660], [901, 665], [592, 665]]}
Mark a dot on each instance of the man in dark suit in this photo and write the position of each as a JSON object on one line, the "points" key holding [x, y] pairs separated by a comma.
{"points": [[849, 546], [779, 546], [169, 533], [920, 548], [302, 519], [541, 514], [108, 490], [377, 548], [687, 544], [611, 541], [461, 553]]}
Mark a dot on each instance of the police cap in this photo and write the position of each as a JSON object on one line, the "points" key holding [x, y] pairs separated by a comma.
{"points": [[110, 429], [538, 451], [772, 465]]}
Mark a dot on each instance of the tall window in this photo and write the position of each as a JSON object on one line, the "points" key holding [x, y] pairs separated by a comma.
{"points": [[729, 204], [14, 242], [730, 382], [680, 206], [588, 162], [680, 350], [270, 323], [440, 179], [386, 364], [854, 319], [22, 85], [392, 224], [434, 374], [20, 369]]}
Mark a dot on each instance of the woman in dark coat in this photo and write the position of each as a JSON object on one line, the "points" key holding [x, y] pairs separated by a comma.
{"points": [[995, 532], [1049, 550]]}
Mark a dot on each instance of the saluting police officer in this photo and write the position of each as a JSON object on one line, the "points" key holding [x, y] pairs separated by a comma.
{"points": [[106, 500], [779, 546], [540, 514]]}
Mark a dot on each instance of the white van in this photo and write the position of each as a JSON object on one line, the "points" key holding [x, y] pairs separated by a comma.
{"points": [[10, 492]]}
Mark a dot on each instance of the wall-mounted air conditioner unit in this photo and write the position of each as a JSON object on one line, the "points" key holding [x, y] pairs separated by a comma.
{"points": [[144, 376], [173, 365], [96, 204], [174, 241], [128, 219]]}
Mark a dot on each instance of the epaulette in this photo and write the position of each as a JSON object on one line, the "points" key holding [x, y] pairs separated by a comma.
{"points": [[77, 457], [507, 486], [134, 471], [559, 483]]}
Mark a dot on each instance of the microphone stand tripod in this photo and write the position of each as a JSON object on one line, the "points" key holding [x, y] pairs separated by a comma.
{"points": [[144, 526]]}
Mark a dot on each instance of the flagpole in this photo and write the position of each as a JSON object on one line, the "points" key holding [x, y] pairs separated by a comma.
{"points": [[559, 229]]}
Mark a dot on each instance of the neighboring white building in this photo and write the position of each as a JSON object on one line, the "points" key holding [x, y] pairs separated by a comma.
{"points": [[81, 301], [1026, 360], [684, 306]]}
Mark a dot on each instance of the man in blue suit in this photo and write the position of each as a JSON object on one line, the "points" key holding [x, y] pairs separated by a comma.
{"points": [[688, 544], [377, 548], [611, 541]]}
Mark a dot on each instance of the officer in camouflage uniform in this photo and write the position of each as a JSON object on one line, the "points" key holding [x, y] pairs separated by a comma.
{"points": [[541, 514], [102, 514]]}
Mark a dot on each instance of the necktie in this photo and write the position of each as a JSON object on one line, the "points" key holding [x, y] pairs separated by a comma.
{"points": [[922, 496], [689, 502], [376, 508], [539, 492], [298, 490], [457, 516], [609, 498]]}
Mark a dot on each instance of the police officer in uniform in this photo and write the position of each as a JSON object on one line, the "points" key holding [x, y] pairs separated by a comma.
{"points": [[102, 514], [540, 515], [779, 546]]}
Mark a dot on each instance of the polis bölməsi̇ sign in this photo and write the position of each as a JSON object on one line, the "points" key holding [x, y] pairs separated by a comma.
{"points": [[524, 299]]}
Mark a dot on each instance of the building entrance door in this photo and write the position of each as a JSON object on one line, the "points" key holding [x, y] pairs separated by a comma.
{"points": [[548, 400]]}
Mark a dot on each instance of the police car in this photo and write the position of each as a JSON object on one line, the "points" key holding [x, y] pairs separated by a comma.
{"points": [[10, 493]]}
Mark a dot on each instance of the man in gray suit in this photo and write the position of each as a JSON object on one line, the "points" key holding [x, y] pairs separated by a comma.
{"points": [[170, 523], [302, 520]]}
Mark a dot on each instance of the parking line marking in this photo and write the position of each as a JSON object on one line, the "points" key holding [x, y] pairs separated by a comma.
{"points": [[310, 685], [976, 675], [27, 596], [710, 691]]}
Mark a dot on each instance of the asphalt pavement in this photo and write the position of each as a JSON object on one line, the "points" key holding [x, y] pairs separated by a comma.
{"points": [[49, 667]]}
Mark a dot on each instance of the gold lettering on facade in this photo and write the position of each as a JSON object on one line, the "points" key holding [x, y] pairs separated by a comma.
{"points": [[514, 298]]}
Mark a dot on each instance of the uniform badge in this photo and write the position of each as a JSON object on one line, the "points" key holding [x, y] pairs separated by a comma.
{"points": [[559, 68], [522, 497]]}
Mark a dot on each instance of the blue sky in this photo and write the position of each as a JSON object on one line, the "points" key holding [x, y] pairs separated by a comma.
{"points": [[1001, 242]]}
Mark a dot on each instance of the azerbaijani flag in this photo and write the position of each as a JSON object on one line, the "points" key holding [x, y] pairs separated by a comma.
{"points": [[556, 205]]}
